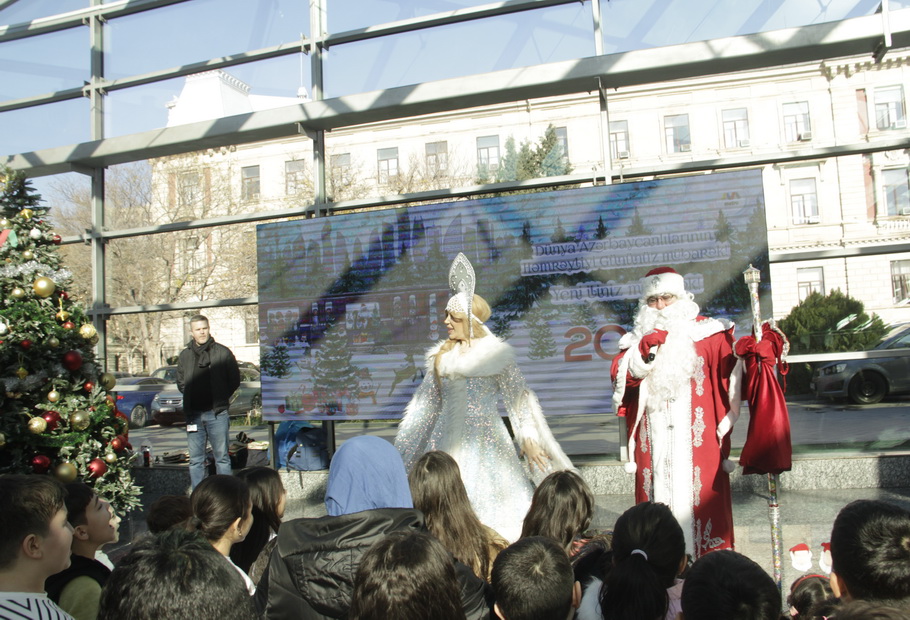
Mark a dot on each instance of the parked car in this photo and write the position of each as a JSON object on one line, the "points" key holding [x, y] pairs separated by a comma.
{"points": [[167, 406], [867, 381], [136, 404]]}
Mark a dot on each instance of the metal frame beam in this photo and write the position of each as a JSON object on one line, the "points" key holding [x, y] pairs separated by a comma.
{"points": [[811, 43]]}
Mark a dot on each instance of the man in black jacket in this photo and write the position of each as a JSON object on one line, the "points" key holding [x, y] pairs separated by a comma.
{"points": [[207, 374]]}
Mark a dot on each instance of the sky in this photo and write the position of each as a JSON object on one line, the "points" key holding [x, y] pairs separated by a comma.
{"points": [[201, 29]]}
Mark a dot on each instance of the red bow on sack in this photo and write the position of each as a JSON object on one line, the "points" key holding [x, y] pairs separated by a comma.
{"points": [[767, 449]]}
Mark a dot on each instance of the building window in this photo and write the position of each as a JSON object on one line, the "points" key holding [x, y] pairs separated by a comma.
{"points": [[676, 133], [895, 188], [251, 328], [340, 168], [387, 160], [250, 176], [796, 122], [810, 280], [562, 138], [900, 280], [188, 189], [736, 128], [488, 153], [294, 177], [437, 157], [803, 201], [889, 108], [619, 140]]}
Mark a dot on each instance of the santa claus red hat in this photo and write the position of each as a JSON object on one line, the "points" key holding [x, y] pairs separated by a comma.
{"points": [[662, 281]]}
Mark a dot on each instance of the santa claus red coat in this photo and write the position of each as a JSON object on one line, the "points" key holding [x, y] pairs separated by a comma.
{"points": [[679, 446]]}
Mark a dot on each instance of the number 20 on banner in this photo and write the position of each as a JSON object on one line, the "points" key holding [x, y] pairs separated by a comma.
{"points": [[576, 351]]}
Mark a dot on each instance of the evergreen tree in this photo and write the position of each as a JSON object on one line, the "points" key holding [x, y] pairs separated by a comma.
{"points": [[552, 159], [831, 323], [602, 231], [637, 226], [508, 163], [543, 344], [275, 361], [333, 372], [56, 417], [583, 315], [559, 235]]}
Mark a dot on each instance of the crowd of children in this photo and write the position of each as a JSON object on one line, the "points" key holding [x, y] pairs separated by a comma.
{"points": [[399, 547]]}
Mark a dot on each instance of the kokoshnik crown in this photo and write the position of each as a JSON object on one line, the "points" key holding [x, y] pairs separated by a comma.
{"points": [[462, 281]]}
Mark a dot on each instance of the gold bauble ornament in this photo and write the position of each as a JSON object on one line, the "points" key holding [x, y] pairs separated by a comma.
{"points": [[94, 340], [62, 315], [28, 255], [4, 329], [110, 457], [53, 342], [2, 440], [80, 420], [4, 223], [87, 331], [17, 293], [44, 287], [26, 214], [22, 373], [108, 381], [53, 396], [37, 425], [66, 472]]}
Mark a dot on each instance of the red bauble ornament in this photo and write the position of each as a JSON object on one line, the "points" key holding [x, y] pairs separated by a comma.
{"points": [[41, 463], [72, 360], [64, 295], [69, 325], [118, 443], [96, 468], [88, 386], [57, 239], [52, 418], [26, 344]]}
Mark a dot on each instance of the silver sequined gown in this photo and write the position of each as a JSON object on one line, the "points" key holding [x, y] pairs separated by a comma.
{"points": [[461, 417]]}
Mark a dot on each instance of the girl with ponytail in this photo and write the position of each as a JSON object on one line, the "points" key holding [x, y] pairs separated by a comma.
{"points": [[222, 512], [649, 552]]}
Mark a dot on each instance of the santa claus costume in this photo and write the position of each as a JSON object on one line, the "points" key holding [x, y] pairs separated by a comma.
{"points": [[677, 382], [456, 410]]}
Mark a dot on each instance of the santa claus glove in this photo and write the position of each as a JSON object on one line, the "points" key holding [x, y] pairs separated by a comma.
{"points": [[650, 340]]}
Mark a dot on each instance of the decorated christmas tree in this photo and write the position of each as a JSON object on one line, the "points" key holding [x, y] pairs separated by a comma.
{"points": [[333, 373], [56, 417]]}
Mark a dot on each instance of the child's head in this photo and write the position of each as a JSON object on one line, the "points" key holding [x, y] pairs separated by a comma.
{"points": [[870, 552], [533, 578], [806, 592], [269, 498], [726, 585], [267, 494], [221, 508], [92, 517], [33, 522], [168, 511], [406, 575], [649, 551], [175, 574], [562, 508]]}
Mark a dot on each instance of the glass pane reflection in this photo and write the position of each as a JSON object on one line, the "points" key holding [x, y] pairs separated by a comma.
{"points": [[44, 64]]}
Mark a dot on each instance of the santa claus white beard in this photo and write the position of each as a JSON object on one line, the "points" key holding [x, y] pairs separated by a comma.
{"points": [[674, 364]]}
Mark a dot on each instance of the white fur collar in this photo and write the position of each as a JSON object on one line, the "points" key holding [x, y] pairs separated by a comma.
{"points": [[702, 328], [487, 356]]}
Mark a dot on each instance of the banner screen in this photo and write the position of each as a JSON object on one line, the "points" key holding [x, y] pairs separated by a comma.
{"points": [[350, 303]]}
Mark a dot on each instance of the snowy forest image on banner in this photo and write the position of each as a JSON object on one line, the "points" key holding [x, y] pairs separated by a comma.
{"points": [[349, 304]]}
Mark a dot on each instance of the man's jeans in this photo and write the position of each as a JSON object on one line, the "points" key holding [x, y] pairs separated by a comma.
{"points": [[215, 428]]}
